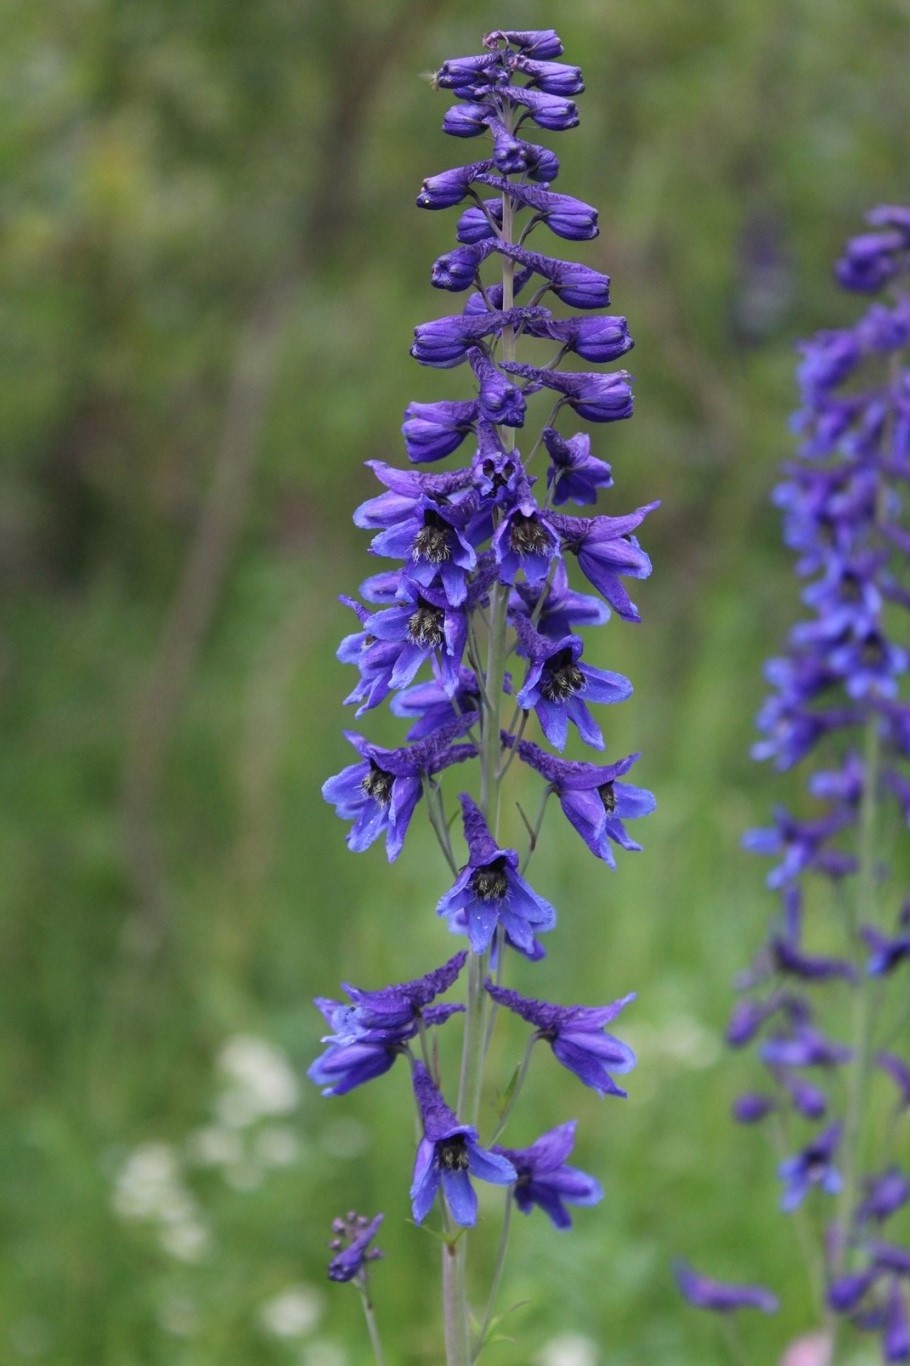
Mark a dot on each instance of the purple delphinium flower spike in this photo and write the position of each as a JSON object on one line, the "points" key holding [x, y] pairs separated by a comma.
{"points": [[351, 1246], [448, 1155], [546, 1180], [489, 890], [721, 1297], [577, 1036]]}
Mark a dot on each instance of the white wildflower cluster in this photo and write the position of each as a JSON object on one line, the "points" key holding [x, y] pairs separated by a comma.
{"points": [[149, 1189]]}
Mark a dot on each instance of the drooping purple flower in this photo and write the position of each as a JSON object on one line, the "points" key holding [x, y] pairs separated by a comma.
{"points": [[576, 1035], [380, 792], [489, 891], [545, 1179], [885, 1193], [561, 608], [575, 474], [607, 552], [448, 1155], [596, 397], [543, 43], [812, 1166], [351, 1246], [557, 685], [434, 430], [722, 1297], [592, 798]]}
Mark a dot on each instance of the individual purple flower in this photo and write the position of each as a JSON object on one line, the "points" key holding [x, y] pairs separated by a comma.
{"points": [[596, 397], [450, 187], [434, 430], [541, 43], [380, 792], [500, 402], [448, 1155], [567, 217], [576, 1035], [545, 1179], [607, 552], [557, 684], [557, 607], [751, 1107], [489, 891], [593, 800], [351, 1246], [804, 1047], [885, 952], [884, 1195], [575, 474], [525, 542], [812, 1166], [424, 625], [720, 1296], [395, 1007]]}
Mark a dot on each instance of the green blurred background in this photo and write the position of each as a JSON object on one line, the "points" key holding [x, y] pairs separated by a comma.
{"points": [[211, 268]]}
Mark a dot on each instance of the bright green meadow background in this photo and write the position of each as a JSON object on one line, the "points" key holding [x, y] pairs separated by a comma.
{"points": [[212, 265]]}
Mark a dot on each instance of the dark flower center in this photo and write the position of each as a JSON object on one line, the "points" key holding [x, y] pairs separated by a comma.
{"points": [[498, 474], [425, 625], [607, 796], [453, 1154], [527, 536], [872, 651], [490, 883], [433, 540], [561, 678], [378, 784]]}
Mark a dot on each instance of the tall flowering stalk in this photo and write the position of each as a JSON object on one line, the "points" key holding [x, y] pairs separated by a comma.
{"points": [[473, 639], [826, 1004]]}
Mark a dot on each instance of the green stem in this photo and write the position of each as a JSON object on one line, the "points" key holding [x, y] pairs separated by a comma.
{"points": [[497, 1277], [516, 1090], [372, 1327]]}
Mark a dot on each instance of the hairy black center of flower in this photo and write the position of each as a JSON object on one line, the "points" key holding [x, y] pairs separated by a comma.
{"points": [[490, 883], [433, 540], [561, 678], [607, 796], [527, 536], [425, 625], [378, 784], [453, 1154]]}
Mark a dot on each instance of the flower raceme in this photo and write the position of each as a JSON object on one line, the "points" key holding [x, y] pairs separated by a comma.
{"points": [[471, 631], [827, 994]]}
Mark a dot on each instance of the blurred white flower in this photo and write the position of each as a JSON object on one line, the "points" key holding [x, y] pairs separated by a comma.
{"points": [[569, 1349], [214, 1146], [293, 1313], [188, 1241], [147, 1181], [260, 1081], [277, 1145], [244, 1175]]}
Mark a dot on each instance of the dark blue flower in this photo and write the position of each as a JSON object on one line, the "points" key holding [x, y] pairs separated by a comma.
{"points": [[351, 1246], [544, 1178], [380, 792], [448, 1155], [557, 684], [489, 890], [434, 430], [607, 552], [575, 474], [720, 1296], [594, 801], [812, 1166], [576, 1035]]}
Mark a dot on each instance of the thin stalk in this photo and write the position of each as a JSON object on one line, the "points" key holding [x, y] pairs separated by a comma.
{"points": [[455, 1304], [864, 912], [372, 1326], [497, 1277]]}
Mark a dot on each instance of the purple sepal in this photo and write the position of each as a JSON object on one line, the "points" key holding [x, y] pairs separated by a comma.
{"points": [[722, 1297], [544, 1179]]}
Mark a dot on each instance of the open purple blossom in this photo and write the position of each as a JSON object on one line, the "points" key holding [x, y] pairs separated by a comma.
{"points": [[812, 1166], [558, 685], [607, 552], [575, 474], [525, 542], [380, 792], [593, 799], [577, 1036], [489, 891], [722, 1297], [557, 607], [448, 1155], [351, 1246], [544, 1179]]}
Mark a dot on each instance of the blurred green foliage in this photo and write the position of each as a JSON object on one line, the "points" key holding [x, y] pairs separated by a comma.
{"points": [[211, 266]]}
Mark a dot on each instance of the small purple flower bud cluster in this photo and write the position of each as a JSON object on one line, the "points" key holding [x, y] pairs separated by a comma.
{"points": [[482, 576], [351, 1238], [839, 705]]}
